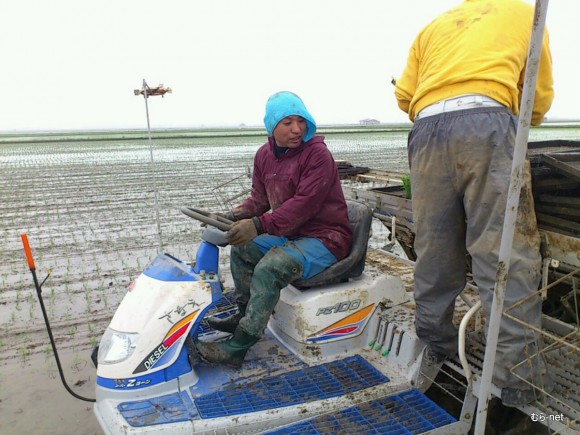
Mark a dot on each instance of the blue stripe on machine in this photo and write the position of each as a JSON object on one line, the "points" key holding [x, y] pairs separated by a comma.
{"points": [[134, 383], [166, 268]]}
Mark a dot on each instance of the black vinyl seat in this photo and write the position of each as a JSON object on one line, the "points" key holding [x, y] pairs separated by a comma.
{"points": [[360, 217]]}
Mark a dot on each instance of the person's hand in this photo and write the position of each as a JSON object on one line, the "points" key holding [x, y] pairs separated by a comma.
{"points": [[241, 232], [229, 215]]}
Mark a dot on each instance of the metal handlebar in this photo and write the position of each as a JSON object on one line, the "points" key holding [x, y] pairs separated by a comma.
{"points": [[220, 222]]}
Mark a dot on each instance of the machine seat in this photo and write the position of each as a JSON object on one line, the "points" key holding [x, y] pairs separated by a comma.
{"points": [[360, 217]]}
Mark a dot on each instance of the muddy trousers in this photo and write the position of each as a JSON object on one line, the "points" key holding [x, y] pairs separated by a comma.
{"points": [[460, 172], [258, 279]]}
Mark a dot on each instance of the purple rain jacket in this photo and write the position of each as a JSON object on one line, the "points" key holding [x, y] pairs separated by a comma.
{"points": [[303, 192]]}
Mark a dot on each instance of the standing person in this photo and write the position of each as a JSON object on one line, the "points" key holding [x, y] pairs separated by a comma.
{"points": [[462, 87], [294, 225]]}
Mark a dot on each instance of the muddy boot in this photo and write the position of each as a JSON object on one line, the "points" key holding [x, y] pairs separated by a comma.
{"points": [[228, 324], [431, 363], [230, 352], [243, 261], [276, 270]]}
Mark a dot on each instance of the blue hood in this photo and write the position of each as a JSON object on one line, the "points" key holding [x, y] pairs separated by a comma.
{"points": [[283, 104]]}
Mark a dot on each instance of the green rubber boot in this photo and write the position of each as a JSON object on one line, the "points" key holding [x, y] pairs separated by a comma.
{"points": [[228, 324], [230, 352], [271, 275]]}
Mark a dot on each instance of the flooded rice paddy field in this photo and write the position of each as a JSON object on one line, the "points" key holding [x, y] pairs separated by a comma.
{"points": [[89, 211], [88, 208]]}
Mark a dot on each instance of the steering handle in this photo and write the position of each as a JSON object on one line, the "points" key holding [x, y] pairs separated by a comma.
{"points": [[212, 219]]}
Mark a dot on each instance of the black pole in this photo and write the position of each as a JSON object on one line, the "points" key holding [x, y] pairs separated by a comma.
{"points": [[38, 287]]}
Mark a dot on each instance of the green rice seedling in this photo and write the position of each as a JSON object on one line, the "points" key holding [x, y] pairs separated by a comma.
{"points": [[31, 306], [88, 301], [47, 351], [124, 262], [51, 301], [18, 302], [78, 363], [24, 353], [406, 179], [51, 368]]}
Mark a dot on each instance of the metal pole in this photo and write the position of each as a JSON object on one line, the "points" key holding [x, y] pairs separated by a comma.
{"points": [[520, 150], [152, 166], [38, 287]]}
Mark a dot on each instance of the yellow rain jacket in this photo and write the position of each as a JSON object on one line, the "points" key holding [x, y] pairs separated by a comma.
{"points": [[479, 47]]}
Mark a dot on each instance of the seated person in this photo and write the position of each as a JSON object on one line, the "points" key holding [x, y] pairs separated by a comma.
{"points": [[307, 229]]}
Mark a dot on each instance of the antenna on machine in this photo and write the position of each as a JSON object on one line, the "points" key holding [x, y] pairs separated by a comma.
{"points": [[147, 92]]}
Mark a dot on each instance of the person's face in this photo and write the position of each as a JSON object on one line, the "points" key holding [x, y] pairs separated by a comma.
{"points": [[290, 131]]}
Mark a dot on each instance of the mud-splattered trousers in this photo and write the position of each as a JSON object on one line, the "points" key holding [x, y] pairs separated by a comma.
{"points": [[460, 173], [263, 267]]}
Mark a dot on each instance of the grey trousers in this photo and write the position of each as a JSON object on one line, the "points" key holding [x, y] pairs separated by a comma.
{"points": [[460, 172]]}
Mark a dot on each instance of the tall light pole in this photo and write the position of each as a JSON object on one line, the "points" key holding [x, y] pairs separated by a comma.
{"points": [[147, 92]]}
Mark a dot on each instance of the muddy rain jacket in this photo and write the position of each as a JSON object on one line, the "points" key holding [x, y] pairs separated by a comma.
{"points": [[302, 190]]}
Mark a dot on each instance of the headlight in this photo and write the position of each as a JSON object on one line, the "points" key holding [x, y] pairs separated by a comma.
{"points": [[116, 346]]}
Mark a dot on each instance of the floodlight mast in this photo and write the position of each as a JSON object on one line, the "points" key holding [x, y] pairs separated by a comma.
{"points": [[147, 91]]}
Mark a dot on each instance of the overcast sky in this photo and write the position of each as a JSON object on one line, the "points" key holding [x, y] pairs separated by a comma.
{"points": [[73, 65]]}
